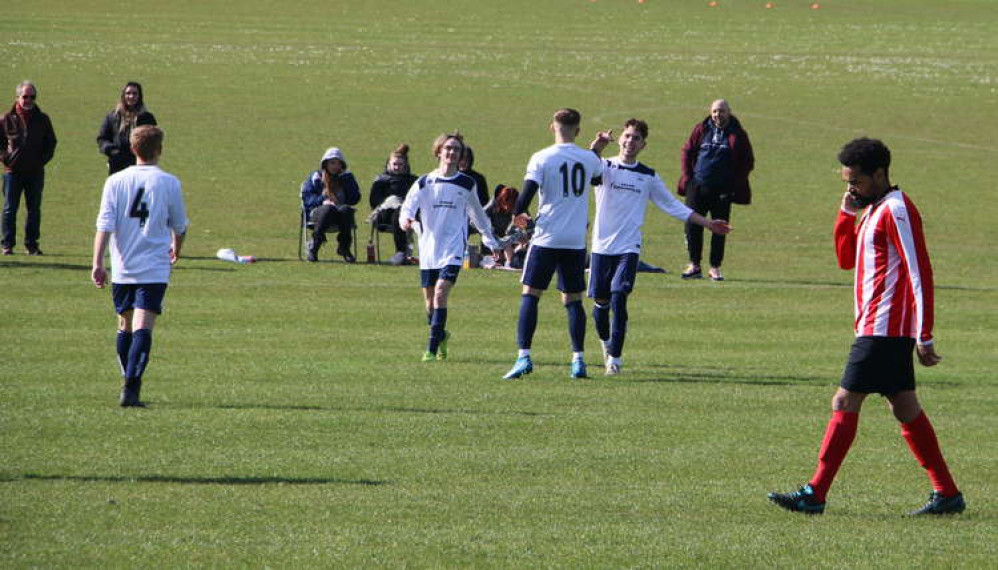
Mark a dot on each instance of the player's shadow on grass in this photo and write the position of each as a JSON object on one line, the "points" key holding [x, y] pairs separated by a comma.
{"points": [[380, 409], [250, 480], [680, 375], [45, 265]]}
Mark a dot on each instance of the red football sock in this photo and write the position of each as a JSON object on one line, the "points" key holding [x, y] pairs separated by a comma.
{"points": [[839, 434], [924, 446]]}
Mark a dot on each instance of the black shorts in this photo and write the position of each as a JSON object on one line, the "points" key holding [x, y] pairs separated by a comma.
{"points": [[610, 274], [429, 277], [146, 296], [880, 364], [542, 262]]}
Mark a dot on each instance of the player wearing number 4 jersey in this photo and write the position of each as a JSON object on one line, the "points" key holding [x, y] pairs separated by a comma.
{"points": [[621, 201], [894, 312], [142, 214], [561, 174]]}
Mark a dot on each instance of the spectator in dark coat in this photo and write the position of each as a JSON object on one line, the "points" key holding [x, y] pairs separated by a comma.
{"points": [[387, 194], [716, 162], [112, 140], [27, 144], [328, 196]]}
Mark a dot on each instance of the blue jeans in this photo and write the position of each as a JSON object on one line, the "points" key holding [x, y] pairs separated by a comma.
{"points": [[15, 184]]}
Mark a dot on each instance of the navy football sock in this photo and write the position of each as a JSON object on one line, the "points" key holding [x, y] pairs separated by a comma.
{"points": [[527, 323], [576, 325], [438, 324], [618, 304], [124, 344], [138, 355], [601, 316]]}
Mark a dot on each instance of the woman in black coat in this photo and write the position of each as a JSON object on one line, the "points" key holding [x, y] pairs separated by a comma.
{"points": [[129, 113]]}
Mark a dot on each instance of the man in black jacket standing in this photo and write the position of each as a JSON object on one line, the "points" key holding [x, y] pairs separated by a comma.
{"points": [[27, 144]]}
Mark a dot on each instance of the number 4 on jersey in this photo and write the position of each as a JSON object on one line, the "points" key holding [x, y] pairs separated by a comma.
{"points": [[139, 208]]}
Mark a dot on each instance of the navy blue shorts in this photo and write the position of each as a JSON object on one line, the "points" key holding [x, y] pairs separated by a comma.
{"points": [[880, 364], [542, 262], [612, 274], [429, 277], [146, 296]]}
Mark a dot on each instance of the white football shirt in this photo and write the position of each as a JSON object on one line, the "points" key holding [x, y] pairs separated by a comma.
{"points": [[141, 206], [564, 173], [621, 201], [445, 206]]}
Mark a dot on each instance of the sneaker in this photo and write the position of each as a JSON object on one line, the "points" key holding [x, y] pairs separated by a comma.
{"points": [[801, 501], [940, 505], [692, 272], [715, 274], [428, 356], [8, 250], [130, 397], [521, 367], [398, 258], [34, 250], [579, 369], [612, 369], [442, 349], [347, 255], [313, 251]]}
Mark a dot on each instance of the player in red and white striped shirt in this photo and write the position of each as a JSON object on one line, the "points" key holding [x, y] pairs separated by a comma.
{"points": [[894, 313]]}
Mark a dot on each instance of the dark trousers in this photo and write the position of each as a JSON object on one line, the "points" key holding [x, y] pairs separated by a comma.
{"points": [[390, 219], [326, 217], [703, 200], [14, 185]]}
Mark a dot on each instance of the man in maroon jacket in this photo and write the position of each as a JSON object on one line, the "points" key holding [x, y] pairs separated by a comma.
{"points": [[27, 143], [716, 162]]}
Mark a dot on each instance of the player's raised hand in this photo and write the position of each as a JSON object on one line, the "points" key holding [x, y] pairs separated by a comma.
{"points": [[849, 204], [602, 139], [99, 276], [927, 355]]}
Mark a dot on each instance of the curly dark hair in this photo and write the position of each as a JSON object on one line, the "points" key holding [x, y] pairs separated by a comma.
{"points": [[867, 154]]}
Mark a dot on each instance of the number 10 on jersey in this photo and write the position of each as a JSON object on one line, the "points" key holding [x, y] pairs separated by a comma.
{"points": [[574, 180]]}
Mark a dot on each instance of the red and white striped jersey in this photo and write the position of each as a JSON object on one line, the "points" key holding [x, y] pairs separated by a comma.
{"points": [[894, 292]]}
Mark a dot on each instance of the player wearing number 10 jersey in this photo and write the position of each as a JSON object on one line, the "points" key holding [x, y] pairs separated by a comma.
{"points": [[561, 174], [142, 214]]}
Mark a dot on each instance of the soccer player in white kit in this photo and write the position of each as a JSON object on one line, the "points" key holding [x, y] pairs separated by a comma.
{"points": [[561, 174], [621, 200], [142, 214], [446, 199]]}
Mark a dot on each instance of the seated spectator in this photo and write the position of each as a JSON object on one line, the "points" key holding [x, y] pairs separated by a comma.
{"points": [[328, 195], [387, 194], [112, 139], [515, 240]]}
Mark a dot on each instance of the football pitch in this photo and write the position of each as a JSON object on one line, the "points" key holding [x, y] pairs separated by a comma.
{"points": [[290, 422]]}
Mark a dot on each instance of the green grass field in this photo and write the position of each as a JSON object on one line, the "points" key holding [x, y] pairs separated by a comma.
{"points": [[290, 423]]}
